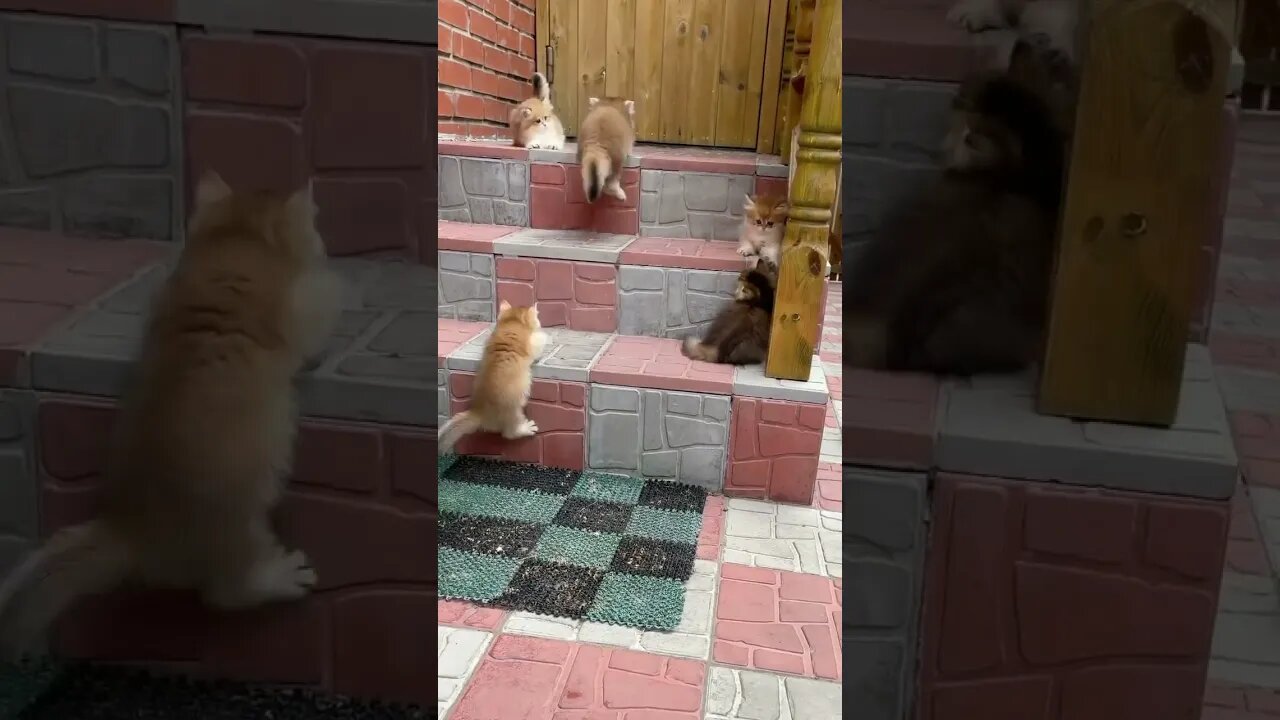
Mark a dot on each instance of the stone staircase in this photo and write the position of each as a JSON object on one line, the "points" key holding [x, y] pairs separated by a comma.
{"points": [[617, 285]]}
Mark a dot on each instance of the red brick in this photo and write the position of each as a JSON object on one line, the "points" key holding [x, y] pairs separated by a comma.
{"points": [[497, 59], [51, 286], [527, 47], [486, 82], [1263, 700], [413, 461], [1019, 699], [75, 437], [278, 643], [547, 174], [501, 9], [760, 618], [470, 106], [135, 625], [383, 645], [444, 40], [1084, 526], [445, 103], [557, 408], [496, 110], [772, 455], [469, 49], [1176, 536], [453, 73], [482, 25], [522, 67], [1220, 695], [971, 628], [363, 215], [338, 457], [522, 19], [249, 152], [452, 12], [1125, 692], [214, 70], [358, 124]]}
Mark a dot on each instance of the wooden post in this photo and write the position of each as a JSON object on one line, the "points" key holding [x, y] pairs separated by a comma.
{"points": [[1137, 209], [801, 36], [812, 195]]}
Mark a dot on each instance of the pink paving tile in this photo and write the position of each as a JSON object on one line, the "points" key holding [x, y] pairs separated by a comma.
{"points": [[484, 149], [1228, 701], [657, 363], [576, 295], [778, 621], [771, 185], [1253, 293], [452, 334], [698, 160], [558, 407], [1245, 550], [557, 202], [889, 418], [712, 528], [1246, 351], [830, 491], [459, 613], [1257, 440], [683, 253], [470, 237], [774, 446], [540, 679]]}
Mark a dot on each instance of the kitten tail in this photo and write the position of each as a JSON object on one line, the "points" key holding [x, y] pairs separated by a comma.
{"points": [[459, 426], [541, 87], [695, 349], [80, 560], [595, 168]]}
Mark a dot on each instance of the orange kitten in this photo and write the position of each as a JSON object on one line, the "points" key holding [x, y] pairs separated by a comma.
{"points": [[503, 381], [763, 223], [605, 140], [205, 438], [534, 123]]}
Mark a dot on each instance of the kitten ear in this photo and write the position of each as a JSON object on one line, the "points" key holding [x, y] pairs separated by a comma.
{"points": [[526, 112], [504, 306], [301, 203], [748, 202], [592, 102], [783, 207], [211, 189], [630, 105]]}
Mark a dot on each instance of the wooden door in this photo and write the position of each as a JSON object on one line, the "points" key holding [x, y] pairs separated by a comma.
{"points": [[701, 72]]}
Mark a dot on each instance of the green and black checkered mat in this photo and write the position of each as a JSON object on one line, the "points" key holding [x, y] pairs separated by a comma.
{"points": [[584, 545], [77, 691]]}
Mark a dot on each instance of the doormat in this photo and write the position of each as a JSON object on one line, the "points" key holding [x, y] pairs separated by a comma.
{"points": [[585, 545], [82, 691]]}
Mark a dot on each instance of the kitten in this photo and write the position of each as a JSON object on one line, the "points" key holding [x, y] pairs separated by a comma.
{"points": [[534, 123], [205, 437], [1055, 21], [764, 220], [958, 281], [739, 335], [605, 139], [503, 381]]}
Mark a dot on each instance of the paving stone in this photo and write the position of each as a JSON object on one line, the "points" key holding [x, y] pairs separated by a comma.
{"points": [[580, 245], [655, 441], [483, 190], [734, 694], [685, 204], [781, 537], [671, 302], [139, 58], [568, 354], [777, 621], [458, 653], [113, 206], [466, 286], [750, 381], [61, 49]]}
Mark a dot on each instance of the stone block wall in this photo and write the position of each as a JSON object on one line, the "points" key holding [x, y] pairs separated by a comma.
{"points": [[91, 143], [576, 295], [366, 629], [670, 302], [884, 534], [559, 409], [485, 65], [483, 190], [1091, 604], [774, 448], [557, 201], [466, 286], [677, 203], [659, 434], [19, 491]]}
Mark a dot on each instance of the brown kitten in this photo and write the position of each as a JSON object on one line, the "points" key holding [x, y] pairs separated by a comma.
{"points": [[764, 220], [503, 381], [607, 135], [958, 281], [739, 335], [534, 123], [205, 437]]}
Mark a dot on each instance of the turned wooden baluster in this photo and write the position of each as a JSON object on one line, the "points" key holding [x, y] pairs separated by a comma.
{"points": [[812, 195], [800, 39]]}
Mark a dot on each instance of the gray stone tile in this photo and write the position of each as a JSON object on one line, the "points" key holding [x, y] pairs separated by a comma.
{"points": [[1249, 390], [568, 355], [569, 156], [990, 427], [658, 434], [671, 302], [750, 381], [466, 286], [581, 245]]}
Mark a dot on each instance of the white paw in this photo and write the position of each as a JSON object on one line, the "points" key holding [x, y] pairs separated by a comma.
{"points": [[746, 251], [618, 193], [976, 15], [530, 428], [292, 576]]}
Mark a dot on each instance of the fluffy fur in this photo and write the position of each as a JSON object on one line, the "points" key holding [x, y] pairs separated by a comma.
{"points": [[739, 335], [534, 123], [206, 434], [957, 280], [503, 381], [764, 220], [605, 140], [1054, 22]]}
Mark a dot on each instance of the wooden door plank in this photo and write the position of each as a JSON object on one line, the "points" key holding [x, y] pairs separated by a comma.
{"points": [[704, 87], [771, 83], [619, 80], [1136, 212], [735, 72], [565, 86], [677, 60], [755, 78], [648, 69], [593, 33]]}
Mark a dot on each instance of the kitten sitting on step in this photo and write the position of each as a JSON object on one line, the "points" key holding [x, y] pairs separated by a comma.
{"points": [[764, 220], [534, 123], [739, 335]]}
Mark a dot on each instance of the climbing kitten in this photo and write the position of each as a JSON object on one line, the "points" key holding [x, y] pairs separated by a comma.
{"points": [[739, 335], [205, 436], [764, 220], [605, 140], [957, 281], [534, 123], [504, 380], [1053, 20]]}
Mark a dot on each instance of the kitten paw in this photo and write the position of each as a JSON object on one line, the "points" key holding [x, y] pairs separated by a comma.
{"points": [[746, 251], [976, 15], [617, 192], [293, 575], [530, 428]]}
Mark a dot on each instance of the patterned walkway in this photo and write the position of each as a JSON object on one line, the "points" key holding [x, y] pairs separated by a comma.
{"points": [[1245, 342], [760, 636]]}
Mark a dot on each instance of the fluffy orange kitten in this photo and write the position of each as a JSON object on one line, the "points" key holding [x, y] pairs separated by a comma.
{"points": [[503, 381], [606, 138], [534, 123], [763, 223], [205, 437]]}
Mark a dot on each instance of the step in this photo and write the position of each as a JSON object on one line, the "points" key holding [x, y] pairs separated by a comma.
{"points": [[635, 405], [914, 41], [72, 316], [671, 191], [585, 280]]}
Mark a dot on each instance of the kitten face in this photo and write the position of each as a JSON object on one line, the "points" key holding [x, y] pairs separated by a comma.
{"points": [[527, 316], [765, 213], [746, 290], [285, 224]]}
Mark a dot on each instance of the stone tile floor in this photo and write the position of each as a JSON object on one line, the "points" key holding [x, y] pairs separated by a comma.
{"points": [[760, 636], [1244, 675]]}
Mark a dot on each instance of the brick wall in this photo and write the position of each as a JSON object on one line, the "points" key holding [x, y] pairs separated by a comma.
{"points": [[485, 62]]}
